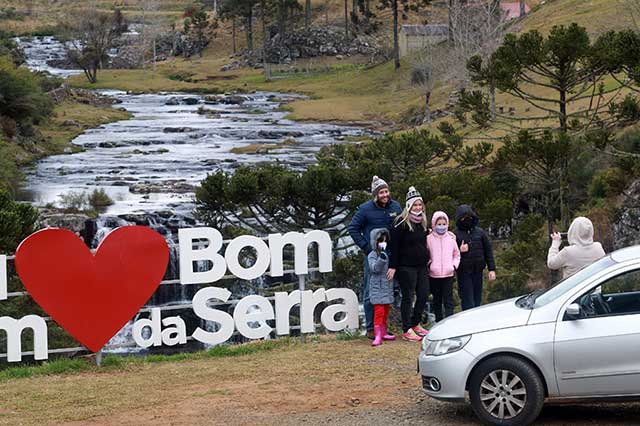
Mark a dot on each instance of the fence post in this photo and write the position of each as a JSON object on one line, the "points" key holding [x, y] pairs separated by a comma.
{"points": [[301, 287], [99, 358]]}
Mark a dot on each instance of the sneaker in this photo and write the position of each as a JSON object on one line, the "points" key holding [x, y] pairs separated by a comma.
{"points": [[420, 331], [411, 336]]}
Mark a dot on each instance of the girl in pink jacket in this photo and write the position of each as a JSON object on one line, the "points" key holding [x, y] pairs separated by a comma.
{"points": [[445, 258]]}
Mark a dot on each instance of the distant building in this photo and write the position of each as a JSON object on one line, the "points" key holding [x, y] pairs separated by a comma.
{"points": [[512, 9], [416, 37]]}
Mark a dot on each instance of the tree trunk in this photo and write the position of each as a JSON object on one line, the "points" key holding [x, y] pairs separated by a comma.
{"points": [[233, 35], [367, 12], [249, 30], [282, 16], [265, 63], [346, 18], [563, 111], [523, 10], [326, 12], [427, 108], [492, 100], [307, 14], [396, 44], [155, 54], [450, 23]]}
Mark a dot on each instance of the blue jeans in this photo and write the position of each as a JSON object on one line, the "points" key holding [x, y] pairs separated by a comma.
{"points": [[470, 289], [366, 302]]}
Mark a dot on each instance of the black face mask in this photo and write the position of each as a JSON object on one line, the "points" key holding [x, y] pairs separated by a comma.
{"points": [[466, 223]]}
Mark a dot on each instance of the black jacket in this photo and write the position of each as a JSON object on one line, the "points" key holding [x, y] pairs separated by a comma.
{"points": [[408, 248], [480, 254]]}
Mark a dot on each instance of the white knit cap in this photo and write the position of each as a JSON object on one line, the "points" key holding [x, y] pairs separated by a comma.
{"points": [[412, 196], [376, 185]]}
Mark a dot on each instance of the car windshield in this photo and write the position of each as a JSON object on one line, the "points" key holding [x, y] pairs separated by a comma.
{"points": [[566, 285]]}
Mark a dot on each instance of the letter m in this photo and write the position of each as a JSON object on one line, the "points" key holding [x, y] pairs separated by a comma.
{"points": [[300, 243], [14, 329]]}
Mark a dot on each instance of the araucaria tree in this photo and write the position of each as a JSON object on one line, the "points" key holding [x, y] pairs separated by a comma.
{"points": [[560, 77], [93, 35]]}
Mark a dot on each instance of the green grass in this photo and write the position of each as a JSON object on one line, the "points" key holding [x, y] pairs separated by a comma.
{"points": [[55, 367], [62, 366]]}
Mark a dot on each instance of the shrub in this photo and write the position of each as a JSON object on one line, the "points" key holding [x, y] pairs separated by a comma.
{"points": [[22, 98], [73, 201], [607, 183], [99, 199], [17, 221]]}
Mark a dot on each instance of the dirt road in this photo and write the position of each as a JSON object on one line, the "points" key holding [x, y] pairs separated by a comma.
{"points": [[323, 383]]}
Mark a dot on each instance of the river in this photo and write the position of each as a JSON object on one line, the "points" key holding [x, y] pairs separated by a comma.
{"points": [[151, 163]]}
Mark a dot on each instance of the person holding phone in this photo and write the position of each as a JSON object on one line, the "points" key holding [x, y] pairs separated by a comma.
{"points": [[581, 251]]}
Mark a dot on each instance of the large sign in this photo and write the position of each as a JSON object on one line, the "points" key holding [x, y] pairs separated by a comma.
{"points": [[93, 295]]}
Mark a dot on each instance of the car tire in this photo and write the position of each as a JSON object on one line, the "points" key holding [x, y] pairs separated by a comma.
{"points": [[506, 391]]}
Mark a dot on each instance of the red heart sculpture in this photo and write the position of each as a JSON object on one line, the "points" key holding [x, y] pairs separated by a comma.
{"points": [[92, 296]]}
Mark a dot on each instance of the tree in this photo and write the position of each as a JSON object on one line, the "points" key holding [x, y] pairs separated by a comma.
{"points": [[22, 100], [397, 7], [541, 163], [283, 11], [197, 27], [429, 68], [92, 36], [9, 47], [476, 28], [272, 198], [560, 76], [243, 9], [152, 27]]}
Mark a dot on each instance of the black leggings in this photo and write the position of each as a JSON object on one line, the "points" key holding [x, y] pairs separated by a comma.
{"points": [[413, 282], [442, 290]]}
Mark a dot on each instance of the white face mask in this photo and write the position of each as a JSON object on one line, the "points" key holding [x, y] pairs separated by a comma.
{"points": [[382, 245]]}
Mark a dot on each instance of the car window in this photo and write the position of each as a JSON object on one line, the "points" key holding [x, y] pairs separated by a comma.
{"points": [[569, 283], [619, 295]]}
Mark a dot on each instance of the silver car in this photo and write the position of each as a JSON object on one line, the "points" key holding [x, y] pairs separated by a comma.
{"points": [[577, 340]]}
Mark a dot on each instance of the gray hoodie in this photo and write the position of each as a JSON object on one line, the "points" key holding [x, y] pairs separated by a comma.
{"points": [[580, 252], [380, 288]]}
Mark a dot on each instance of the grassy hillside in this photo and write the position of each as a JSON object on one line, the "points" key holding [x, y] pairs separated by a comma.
{"points": [[339, 90]]}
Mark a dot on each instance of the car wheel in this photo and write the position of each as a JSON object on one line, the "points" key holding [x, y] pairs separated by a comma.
{"points": [[506, 391]]}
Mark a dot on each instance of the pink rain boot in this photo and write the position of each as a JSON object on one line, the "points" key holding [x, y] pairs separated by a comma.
{"points": [[386, 335], [378, 330]]}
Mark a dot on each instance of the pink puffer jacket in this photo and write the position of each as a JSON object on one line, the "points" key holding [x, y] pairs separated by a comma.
{"points": [[443, 250]]}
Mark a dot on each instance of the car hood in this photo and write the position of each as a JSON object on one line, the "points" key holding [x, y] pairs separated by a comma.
{"points": [[504, 314]]}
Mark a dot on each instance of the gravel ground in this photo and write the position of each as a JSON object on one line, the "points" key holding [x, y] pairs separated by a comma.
{"points": [[429, 412]]}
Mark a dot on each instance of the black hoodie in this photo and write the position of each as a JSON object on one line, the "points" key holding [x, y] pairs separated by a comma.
{"points": [[480, 254]]}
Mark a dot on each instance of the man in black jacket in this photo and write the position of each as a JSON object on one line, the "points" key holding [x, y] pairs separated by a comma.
{"points": [[476, 254]]}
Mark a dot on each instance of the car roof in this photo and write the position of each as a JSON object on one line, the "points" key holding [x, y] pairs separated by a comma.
{"points": [[626, 254]]}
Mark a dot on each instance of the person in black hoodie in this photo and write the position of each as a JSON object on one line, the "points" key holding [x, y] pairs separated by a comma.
{"points": [[476, 254], [408, 262]]}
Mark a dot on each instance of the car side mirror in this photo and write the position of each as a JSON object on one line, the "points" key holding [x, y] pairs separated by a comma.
{"points": [[573, 311]]}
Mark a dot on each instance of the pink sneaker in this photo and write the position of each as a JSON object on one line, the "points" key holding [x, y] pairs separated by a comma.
{"points": [[420, 331], [411, 336]]}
